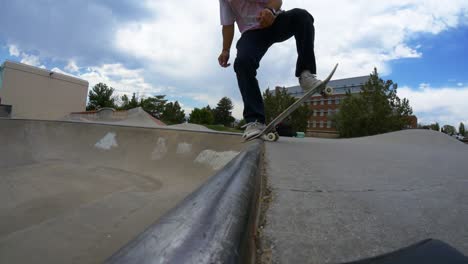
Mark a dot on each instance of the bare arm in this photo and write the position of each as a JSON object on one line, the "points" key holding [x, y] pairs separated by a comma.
{"points": [[228, 36]]}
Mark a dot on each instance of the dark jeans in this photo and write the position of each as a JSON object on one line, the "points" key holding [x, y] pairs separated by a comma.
{"points": [[253, 45]]}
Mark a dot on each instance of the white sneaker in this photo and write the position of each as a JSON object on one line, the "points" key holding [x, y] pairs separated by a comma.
{"points": [[252, 129], [308, 80]]}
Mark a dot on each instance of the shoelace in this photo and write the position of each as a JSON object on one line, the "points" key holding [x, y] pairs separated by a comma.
{"points": [[251, 124]]}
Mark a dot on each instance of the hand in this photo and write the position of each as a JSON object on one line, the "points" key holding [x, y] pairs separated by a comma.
{"points": [[223, 59], [266, 18]]}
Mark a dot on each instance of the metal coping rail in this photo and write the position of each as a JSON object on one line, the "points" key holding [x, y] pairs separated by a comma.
{"points": [[208, 226]]}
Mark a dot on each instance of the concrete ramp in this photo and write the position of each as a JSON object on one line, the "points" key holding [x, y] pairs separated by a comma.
{"points": [[76, 193], [413, 137], [342, 200], [133, 117]]}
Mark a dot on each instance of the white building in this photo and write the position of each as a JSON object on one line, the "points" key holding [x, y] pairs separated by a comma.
{"points": [[35, 93]]}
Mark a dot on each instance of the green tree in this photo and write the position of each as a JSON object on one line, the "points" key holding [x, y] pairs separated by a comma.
{"points": [[461, 129], [223, 112], [435, 127], [124, 102], [153, 105], [203, 116], [101, 96], [376, 109], [173, 114], [129, 103], [241, 123], [277, 101], [449, 130]]}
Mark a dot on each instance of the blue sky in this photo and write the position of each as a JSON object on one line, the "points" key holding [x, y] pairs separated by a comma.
{"points": [[162, 47]]}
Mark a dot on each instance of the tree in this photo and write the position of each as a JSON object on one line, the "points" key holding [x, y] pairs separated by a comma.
{"points": [[376, 109], [202, 116], [449, 130], [461, 129], [222, 113], [101, 96], [435, 127], [173, 114], [129, 104], [153, 105], [277, 101]]}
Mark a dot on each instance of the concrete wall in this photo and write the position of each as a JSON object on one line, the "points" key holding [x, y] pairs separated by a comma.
{"points": [[36, 93]]}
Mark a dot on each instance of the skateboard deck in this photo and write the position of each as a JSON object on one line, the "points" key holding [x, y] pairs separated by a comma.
{"points": [[268, 133]]}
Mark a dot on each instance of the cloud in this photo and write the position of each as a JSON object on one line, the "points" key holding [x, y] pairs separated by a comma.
{"points": [[178, 44], [68, 29], [31, 60], [14, 51], [25, 58], [72, 67], [167, 47], [446, 105]]}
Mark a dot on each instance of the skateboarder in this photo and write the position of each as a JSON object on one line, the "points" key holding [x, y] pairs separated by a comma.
{"points": [[262, 23]]}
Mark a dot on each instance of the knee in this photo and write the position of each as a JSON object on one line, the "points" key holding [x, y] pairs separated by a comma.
{"points": [[302, 15], [243, 64]]}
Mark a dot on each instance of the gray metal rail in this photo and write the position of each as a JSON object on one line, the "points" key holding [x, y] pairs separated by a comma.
{"points": [[208, 226]]}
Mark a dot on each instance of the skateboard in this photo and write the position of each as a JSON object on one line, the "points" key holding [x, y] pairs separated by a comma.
{"points": [[269, 134]]}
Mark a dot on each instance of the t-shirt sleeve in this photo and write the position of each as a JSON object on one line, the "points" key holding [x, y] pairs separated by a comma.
{"points": [[227, 15]]}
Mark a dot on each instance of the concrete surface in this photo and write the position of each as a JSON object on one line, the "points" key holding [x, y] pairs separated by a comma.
{"points": [[133, 117], [343, 200], [76, 193]]}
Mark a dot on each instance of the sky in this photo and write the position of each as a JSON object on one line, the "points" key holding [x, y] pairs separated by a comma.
{"points": [[166, 47]]}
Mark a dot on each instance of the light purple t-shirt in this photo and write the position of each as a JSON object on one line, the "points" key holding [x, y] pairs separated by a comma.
{"points": [[243, 12]]}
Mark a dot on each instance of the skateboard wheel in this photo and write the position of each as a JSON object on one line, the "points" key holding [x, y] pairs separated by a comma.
{"points": [[328, 90], [271, 137], [276, 136]]}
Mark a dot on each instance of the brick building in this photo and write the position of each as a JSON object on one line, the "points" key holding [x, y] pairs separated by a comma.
{"points": [[319, 124]]}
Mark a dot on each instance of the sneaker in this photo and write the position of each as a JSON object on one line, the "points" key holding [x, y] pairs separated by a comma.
{"points": [[252, 129], [308, 80]]}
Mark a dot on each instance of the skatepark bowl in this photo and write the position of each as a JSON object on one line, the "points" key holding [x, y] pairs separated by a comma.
{"points": [[77, 193]]}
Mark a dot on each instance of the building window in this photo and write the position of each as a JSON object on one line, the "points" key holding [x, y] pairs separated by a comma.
{"points": [[314, 124], [322, 102], [329, 101], [315, 102], [321, 112], [329, 124], [321, 124], [337, 100], [330, 112], [314, 113]]}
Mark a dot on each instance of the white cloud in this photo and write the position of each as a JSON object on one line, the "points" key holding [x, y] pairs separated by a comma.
{"points": [[13, 50], [29, 59], [72, 67], [123, 80], [360, 35], [446, 105], [180, 44]]}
